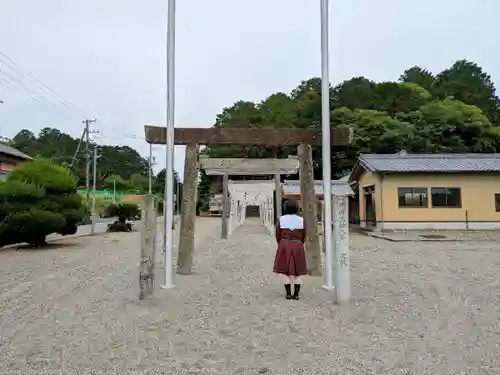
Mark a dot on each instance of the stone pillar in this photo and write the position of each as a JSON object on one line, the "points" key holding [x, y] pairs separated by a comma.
{"points": [[232, 216], [185, 255], [342, 272], [238, 210], [308, 203], [148, 248], [278, 195], [243, 211], [266, 213], [225, 206], [271, 214]]}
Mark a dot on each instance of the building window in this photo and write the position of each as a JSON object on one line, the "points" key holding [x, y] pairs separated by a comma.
{"points": [[497, 202], [446, 197], [412, 197]]}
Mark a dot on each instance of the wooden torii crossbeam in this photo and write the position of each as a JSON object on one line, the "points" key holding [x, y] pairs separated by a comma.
{"points": [[244, 166], [244, 135]]}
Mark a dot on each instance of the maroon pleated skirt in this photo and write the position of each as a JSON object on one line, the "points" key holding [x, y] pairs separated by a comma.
{"points": [[290, 258]]}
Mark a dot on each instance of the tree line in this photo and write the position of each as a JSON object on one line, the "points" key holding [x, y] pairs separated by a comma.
{"points": [[456, 110], [121, 167]]}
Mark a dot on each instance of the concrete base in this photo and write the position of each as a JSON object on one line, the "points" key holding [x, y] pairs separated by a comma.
{"points": [[93, 222], [174, 272], [443, 225]]}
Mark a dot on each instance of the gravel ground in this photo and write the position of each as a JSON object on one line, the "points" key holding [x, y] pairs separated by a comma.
{"points": [[419, 308]]}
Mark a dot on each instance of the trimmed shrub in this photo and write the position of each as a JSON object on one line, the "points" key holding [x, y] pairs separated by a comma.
{"points": [[120, 225], [38, 198], [127, 210], [32, 227]]}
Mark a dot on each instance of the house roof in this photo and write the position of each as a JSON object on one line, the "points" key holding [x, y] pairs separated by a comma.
{"points": [[11, 151], [339, 187], [427, 163]]}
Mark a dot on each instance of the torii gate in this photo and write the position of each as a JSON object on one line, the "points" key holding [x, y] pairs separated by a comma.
{"points": [[249, 167], [193, 137], [251, 193]]}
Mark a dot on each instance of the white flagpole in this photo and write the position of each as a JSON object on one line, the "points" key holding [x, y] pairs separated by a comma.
{"points": [[326, 146], [169, 175]]}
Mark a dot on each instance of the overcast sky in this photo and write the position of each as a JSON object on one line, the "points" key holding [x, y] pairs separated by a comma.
{"points": [[108, 56]]}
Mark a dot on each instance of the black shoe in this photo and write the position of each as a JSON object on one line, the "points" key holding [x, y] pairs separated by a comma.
{"points": [[288, 288], [296, 291]]}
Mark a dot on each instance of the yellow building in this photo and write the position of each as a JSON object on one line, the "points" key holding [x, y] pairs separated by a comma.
{"points": [[428, 191]]}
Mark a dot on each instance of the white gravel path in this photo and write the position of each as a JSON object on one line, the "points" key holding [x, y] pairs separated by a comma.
{"points": [[419, 308]]}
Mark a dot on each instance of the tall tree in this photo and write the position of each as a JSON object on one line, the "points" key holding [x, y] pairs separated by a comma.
{"points": [[307, 98], [159, 183], [356, 93], [115, 181], [395, 97], [139, 183], [419, 76], [466, 81], [452, 126]]}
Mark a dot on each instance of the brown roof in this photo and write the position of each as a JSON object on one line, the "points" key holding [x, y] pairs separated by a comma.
{"points": [[11, 151]]}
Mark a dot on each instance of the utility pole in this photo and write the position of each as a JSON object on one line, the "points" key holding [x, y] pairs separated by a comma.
{"points": [[94, 184], [87, 154]]}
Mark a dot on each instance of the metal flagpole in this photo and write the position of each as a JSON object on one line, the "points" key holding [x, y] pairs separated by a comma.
{"points": [[150, 165], [169, 175], [326, 145]]}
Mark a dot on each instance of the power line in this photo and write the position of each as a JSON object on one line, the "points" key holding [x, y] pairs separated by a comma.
{"points": [[42, 87], [17, 85], [48, 98]]}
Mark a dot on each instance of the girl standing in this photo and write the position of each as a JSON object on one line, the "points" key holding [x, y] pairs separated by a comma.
{"points": [[290, 260]]}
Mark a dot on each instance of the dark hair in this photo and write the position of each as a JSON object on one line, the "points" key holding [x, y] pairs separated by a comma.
{"points": [[290, 207]]}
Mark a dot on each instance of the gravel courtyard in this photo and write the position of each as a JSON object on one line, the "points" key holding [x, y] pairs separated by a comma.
{"points": [[418, 308]]}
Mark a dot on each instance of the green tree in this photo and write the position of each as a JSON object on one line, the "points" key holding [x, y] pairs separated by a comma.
{"points": [[115, 181], [307, 98], [452, 126], [419, 76], [38, 198], [356, 93], [396, 97], [467, 82], [374, 132], [204, 193], [139, 182], [159, 184]]}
